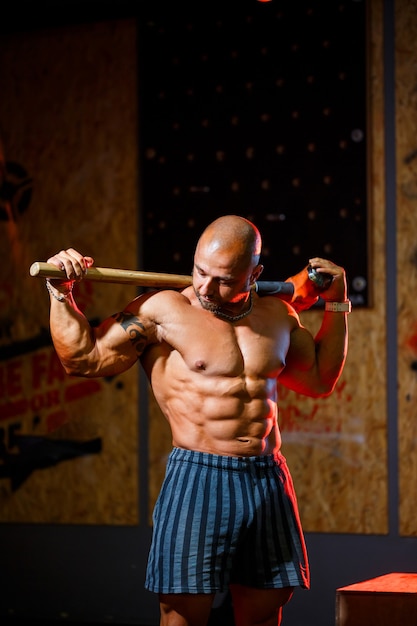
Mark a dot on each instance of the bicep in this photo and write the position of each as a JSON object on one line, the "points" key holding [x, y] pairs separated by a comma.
{"points": [[135, 331], [123, 338], [119, 342]]}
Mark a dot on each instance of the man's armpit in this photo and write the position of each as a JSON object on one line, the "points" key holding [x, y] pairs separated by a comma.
{"points": [[134, 329]]}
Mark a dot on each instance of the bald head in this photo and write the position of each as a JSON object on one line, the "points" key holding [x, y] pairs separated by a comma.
{"points": [[233, 235], [226, 263]]}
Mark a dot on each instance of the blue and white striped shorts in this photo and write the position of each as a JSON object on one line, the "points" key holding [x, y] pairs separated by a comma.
{"points": [[220, 520]]}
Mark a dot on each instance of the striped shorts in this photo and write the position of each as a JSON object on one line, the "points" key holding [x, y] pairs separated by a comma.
{"points": [[221, 520]]}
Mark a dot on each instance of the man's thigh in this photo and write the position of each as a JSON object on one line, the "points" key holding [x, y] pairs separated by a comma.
{"points": [[185, 609], [258, 606]]}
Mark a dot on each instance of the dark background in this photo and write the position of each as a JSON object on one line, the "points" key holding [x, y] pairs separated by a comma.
{"points": [[256, 109]]}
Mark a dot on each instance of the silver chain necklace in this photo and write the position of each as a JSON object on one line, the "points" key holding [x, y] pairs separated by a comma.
{"points": [[235, 318]]}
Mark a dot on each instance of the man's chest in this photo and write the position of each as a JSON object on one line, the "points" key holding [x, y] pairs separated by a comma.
{"points": [[230, 350]]}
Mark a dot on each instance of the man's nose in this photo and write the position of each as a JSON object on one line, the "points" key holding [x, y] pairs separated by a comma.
{"points": [[206, 287]]}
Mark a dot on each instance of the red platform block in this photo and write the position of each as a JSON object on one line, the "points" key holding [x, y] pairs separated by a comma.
{"points": [[389, 600]]}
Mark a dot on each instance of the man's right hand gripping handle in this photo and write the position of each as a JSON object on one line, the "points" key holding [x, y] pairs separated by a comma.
{"points": [[302, 290]]}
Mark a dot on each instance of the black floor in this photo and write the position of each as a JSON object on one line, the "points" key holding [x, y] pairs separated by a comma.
{"points": [[29, 621], [222, 616]]}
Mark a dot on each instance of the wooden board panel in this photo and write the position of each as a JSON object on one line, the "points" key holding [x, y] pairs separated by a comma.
{"points": [[406, 166], [69, 126], [337, 447]]}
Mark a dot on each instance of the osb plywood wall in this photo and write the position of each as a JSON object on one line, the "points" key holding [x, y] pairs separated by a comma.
{"points": [[406, 165], [68, 113], [337, 447]]}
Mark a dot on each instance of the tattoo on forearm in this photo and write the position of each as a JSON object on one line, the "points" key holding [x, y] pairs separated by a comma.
{"points": [[136, 331]]}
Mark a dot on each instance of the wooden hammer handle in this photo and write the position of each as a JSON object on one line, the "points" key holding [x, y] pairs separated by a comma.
{"points": [[285, 290], [112, 275]]}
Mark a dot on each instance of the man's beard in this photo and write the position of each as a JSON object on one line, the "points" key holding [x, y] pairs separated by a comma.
{"points": [[206, 304]]}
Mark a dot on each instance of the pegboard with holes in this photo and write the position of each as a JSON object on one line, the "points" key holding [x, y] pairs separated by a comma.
{"points": [[256, 109]]}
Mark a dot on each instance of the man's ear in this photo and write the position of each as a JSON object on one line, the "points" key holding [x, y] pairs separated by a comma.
{"points": [[256, 273]]}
